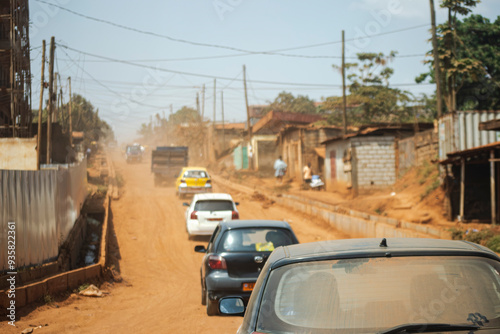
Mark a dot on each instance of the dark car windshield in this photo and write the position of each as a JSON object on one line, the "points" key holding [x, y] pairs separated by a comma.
{"points": [[370, 295], [253, 240], [195, 174], [133, 149], [213, 205]]}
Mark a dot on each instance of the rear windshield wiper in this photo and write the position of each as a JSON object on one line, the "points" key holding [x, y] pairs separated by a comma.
{"points": [[430, 327]]}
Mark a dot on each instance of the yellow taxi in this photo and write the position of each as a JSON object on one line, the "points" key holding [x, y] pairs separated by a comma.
{"points": [[193, 180]]}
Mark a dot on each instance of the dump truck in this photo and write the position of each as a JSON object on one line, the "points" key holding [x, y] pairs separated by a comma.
{"points": [[167, 163]]}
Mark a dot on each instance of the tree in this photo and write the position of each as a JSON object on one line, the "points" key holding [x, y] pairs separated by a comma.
{"points": [[286, 102], [85, 118], [469, 54], [184, 115], [371, 99]]}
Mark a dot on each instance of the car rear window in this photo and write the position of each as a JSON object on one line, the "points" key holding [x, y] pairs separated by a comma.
{"points": [[213, 205], [195, 174], [373, 294], [254, 240]]}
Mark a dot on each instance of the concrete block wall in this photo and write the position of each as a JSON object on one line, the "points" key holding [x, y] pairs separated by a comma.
{"points": [[375, 161]]}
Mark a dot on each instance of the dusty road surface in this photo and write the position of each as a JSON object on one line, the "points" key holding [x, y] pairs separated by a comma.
{"points": [[160, 292]]}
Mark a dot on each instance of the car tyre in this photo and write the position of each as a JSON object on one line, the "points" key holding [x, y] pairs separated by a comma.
{"points": [[212, 306]]}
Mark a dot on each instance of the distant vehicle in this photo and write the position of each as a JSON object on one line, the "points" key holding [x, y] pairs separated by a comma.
{"points": [[193, 180], [133, 153], [235, 255], [167, 162], [207, 210], [398, 285]]}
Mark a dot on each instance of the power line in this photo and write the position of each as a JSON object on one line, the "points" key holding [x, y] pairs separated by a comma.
{"points": [[245, 52], [194, 74]]}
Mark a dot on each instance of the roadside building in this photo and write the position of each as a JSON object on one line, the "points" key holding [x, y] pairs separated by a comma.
{"points": [[469, 153], [367, 159], [300, 144]]}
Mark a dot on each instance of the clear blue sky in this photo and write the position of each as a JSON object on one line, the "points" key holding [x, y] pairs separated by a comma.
{"points": [[127, 95]]}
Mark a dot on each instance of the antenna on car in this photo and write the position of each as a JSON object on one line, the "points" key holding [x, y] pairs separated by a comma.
{"points": [[383, 243]]}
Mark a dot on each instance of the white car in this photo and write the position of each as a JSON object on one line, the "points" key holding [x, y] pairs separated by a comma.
{"points": [[208, 210]]}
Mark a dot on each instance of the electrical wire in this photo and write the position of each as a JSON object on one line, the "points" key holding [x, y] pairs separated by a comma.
{"points": [[245, 52]]}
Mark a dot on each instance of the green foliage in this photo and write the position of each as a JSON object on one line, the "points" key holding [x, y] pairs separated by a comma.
{"points": [[456, 234], [83, 287], [371, 99], [184, 115], [479, 237], [286, 102], [47, 298], [469, 58], [494, 243]]}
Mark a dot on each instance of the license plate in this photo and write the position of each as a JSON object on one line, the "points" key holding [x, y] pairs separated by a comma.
{"points": [[248, 286], [214, 219]]}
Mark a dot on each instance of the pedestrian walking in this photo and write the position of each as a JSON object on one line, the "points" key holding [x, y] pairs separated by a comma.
{"points": [[307, 174], [280, 169]]}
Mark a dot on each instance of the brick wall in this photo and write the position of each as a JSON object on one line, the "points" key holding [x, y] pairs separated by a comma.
{"points": [[375, 161]]}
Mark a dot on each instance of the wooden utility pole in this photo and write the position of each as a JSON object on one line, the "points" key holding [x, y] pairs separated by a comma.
{"points": [[344, 99], [249, 126], [70, 117], [437, 71], [223, 126], [55, 114], [40, 111], [198, 104], [246, 104], [203, 102], [215, 100], [50, 105]]}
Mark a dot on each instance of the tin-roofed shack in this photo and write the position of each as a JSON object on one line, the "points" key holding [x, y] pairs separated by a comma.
{"points": [[471, 182], [367, 159]]}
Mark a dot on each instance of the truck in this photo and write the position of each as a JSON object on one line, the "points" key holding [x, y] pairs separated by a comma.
{"points": [[133, 153], [167, 163]]}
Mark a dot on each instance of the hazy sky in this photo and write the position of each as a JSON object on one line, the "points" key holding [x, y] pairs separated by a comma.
{"points": [[173, 48]]}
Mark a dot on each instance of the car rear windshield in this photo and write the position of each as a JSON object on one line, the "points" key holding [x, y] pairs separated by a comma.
{"points": [[213, 205], [195, 174], [254, 240], [373, 294]]}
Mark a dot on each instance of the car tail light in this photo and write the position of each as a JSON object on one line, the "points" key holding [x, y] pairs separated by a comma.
{"points": [[194, 215], [235, 215], [217, 262]]}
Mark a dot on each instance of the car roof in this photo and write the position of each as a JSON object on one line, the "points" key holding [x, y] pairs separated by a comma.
{"points": [[373, 247], [195, 168], [234, 224], [208, 196]]}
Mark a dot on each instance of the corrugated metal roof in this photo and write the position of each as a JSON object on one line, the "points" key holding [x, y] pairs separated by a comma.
{"points": [[453, 157]]}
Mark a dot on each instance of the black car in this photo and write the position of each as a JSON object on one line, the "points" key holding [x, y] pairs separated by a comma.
{"points": [[399, 285], [235, 255]]}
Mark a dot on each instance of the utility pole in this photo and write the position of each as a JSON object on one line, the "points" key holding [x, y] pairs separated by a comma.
{"points": [[198, 104], [70, 117], [250, 163], [437, 70], [215, 100], [40, 111], [223, 126], [50, 106], [203, 102], [55, 115], [344, 99]]}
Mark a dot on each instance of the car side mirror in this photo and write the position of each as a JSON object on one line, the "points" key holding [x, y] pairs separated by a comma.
{"points": [[232, 306], [237, 203], [200, 249], [185, 204]]}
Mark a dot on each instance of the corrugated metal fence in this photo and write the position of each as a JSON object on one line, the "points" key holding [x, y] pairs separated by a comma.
{"points": [[44, 205], [460, 131]]}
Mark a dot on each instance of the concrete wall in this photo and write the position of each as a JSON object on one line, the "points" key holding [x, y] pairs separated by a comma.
{"points": [[334, 173], [374, 162], [18, 153]]}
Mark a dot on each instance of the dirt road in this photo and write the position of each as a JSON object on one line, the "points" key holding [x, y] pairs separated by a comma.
{"points": [[161, 288]]}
